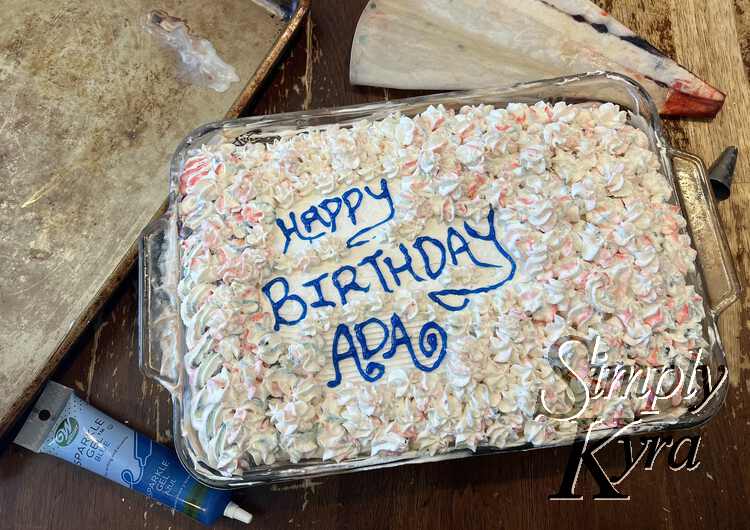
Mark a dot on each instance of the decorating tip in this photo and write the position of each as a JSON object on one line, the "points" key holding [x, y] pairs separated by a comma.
{"points": [[721, 173]]}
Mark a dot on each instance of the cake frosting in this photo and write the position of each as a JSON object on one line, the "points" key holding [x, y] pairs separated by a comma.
{"points": [[397, 286]]}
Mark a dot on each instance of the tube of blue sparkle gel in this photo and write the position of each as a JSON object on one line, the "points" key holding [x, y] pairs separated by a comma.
{"points": [[67, 427]]}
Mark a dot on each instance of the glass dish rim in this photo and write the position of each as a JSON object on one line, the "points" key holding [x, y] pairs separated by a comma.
{"points": [[661, 148]]}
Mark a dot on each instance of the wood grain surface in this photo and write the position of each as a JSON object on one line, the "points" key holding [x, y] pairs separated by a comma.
{"points": [[712, 38]]}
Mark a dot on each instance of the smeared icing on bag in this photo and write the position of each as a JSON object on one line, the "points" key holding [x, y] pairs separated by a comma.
{"points": [[440, 44]]}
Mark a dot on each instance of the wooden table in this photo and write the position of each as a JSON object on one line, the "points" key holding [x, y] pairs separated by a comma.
{"points": [[712, 38]]}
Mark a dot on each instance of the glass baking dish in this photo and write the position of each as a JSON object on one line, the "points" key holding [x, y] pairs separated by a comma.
{"points": [[161, 339]]}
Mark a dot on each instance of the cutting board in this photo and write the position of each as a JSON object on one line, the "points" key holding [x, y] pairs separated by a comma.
{"points": [[90, 112]]}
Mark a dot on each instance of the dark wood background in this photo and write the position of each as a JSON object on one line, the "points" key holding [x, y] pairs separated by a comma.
{"points": [[510, 491]]}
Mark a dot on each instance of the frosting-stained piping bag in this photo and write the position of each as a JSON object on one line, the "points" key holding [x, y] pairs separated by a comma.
{"points": [[460, 44]]}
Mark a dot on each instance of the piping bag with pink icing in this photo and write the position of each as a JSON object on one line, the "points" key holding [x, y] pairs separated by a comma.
{"points": [[444, 44]]}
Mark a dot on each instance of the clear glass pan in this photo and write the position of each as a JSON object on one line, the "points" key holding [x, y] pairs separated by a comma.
{"points": [[160, 328]]}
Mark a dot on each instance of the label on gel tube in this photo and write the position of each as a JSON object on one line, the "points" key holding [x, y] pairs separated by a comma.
{"points": [[91, 439]]}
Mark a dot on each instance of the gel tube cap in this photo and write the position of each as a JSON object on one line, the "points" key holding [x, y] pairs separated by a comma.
{"points": [[235, 512], [62, 425]]}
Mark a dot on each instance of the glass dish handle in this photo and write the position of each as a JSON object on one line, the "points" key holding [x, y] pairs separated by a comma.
{"points": [[716, 261], [159, 329]]}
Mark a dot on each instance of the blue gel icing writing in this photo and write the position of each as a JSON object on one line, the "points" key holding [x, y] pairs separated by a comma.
{"points": [[325, 214], [351, 285], [437, 296], [383, 195], [359, 331], [352, 207], [406, 267], [419, 245], [277, 304], [372, 372], [428, 345], [292, 229], [311, 216], [372, 260], [315, 284], [332, 207], [432, 346]]}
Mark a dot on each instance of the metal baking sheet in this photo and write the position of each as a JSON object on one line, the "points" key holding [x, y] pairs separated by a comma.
{"points": [[90, 113]]}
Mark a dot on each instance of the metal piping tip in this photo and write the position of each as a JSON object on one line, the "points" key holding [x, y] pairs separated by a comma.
{"points": [[721, 173]]}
